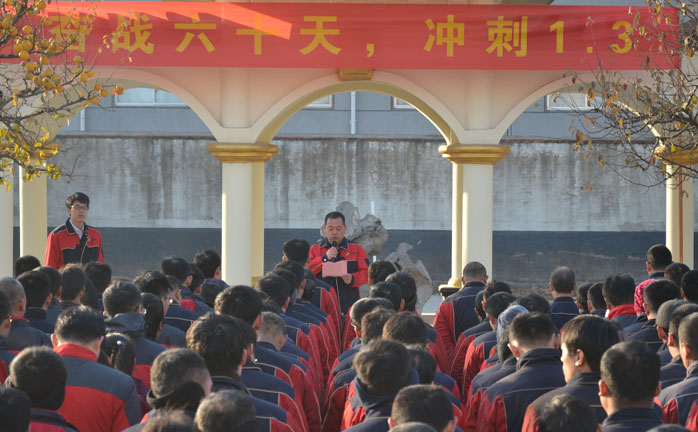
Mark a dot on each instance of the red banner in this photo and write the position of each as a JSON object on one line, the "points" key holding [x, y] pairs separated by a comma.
{"points": [[376, 36]]}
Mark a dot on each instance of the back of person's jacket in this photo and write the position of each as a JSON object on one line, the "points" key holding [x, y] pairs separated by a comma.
{"points": [[64, 246], [98, 398], [49, 421], [54, 309], [563, 309], [648, 334], [22, 335], [335, 400], [37, 319], [478, 351], [480, 383], [677, 399], [632, 420], [172, 337], [462, 344], [672, 373], [6, 357], [179, 317], [456, 314], [325, 297]]}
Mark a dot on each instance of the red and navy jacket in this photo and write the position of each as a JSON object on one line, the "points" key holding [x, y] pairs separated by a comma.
{"points": [[269, 417], [357, 267], [299, 332], [648, 334], [456, 314], [692, 422], [22, 335], [6, 357], [478, 351], [377, 422], [318, 333], [179, 317], [437, 348], [672, 373], [461, 350], [302, 359], [325, 297], [632, 420], [480, 383], [49, 421], [664, 355], [504, 404], [37, 319], [326, 320], [585, 386], [624, 315], [64, 246], [97, 398], [335, 401], [133, 325], [677, 400], [563, 309], [54, 309]]}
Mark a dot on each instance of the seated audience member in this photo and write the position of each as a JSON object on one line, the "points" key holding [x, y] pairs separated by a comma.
{"points": [[5, 322], [566, 413], [178, 302], [181, 277], [98, 398], [197, 284], [383, 367], [219, 341], [658, 259], [170, 421], [41, 375], [618, 291], [117, 351], [209, 262], [689, 286], [90, 298], [155, 328], [72, 286], [15, 410], [100, 275], [677, 399], [423, 403], [124, 312], [209, 292], [534, 341], [582, 298], [584, 341], [535, 303], [37, 289], [22, 335], [156, 283], [390, 291], [358, 310], [226, 411], [629, 383], [596, 303], [656, 293], [563, 287], [672, 371], [675, 271], [26, 263], [54, 309]]}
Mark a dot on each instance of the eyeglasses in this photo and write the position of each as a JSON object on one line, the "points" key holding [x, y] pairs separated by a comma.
{"points": [[80, 207]]}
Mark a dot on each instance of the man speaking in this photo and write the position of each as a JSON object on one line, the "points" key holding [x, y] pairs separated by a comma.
{"points": [[335, 248]]}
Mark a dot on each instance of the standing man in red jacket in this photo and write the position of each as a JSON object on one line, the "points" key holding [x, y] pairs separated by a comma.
{"points": [[334, 247]]}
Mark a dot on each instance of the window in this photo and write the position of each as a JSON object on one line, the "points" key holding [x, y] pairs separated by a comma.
{"points": [[148, 97], [567, 102], [401, 104], [322, 103]]}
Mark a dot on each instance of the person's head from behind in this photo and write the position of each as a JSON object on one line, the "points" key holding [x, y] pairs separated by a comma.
{"points": [[273, 330], [379, 270], [335, 227], [566, 413], [154, 315], [582, 298], [72, 283], [219, 341], [494, 287], [15, 410], [5, 314], [423, 363], [226, 411], [688, 340], [506, 317], [26, 263], [154, 282], [358, 310], [242, 302], [413, 427], [658, 258], [298, 275], [120, 298], [496, 304], [529, 331], [474, 272], [383, 367], [209, 292], [209, 262], [119, 352], [90, 298], [178, 268], [629, 376], [595, 300], [658, 292], [675, 271], [663, 320], [170, 420], [677, 316], [179, 379], [406, 328], [408, 288], [562, 282], [479, 309], [585, 339], [296, 250], [197, 279], [390, 291], [277, 290], [15, 292], [40, 373], [423, 403], [54, 278], [689, 286], [100, 275], [372, 324], [80, 325], [535, 303], [37, 289], [618, 289]]}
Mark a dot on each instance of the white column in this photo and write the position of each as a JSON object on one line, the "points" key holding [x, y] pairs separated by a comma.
{"points": [[258, 221], [679, 216], [32, 217], [236, 221], [6, 229], [456, 226], [478, 208]]}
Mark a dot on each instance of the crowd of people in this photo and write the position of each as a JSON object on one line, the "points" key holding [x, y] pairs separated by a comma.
{"points": [[177, 349]]}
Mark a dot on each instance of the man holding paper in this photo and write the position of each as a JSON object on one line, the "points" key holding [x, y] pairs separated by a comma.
{"points": [[339, 262]]}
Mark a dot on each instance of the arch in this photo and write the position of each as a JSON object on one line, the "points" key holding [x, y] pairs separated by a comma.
{"points": [[387, 83]]}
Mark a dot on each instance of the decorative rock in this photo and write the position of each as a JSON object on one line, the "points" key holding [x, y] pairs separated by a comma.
{"points": [[425, 289]]}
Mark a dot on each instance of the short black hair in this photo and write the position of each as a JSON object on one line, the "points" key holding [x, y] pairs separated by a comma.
{"points": [[562, 280], [226, 411], [174, 367], [408, 287], [294, 268], [474, 270], [479, 310], [360, 308], [90, 297], [335, 215], [660, 291], [169, 420], [275, 287], [663, 319], [154, 313], [121, 350], [423, 403], [503, 350], [582, 297], [378, 271], [423, 363], [631, 372], [72, 281], [406, 328], [619, 289], [590, 334], [5, 307], [240, 301], [197, 277], [659, 257], [498, 303], [567, 413], [80, 324], [372, 324], [175, 266], [15, 410], [79, 197], [595, 296], [494, 287], [207, 261], [40, 373], [37, 287], [209, 292], [153, 282], [678, 315], [121, 297], [54, 278], [383, 367], [675, 271], [100, 275], [688, 333], [689, 285], [26, 263], [532, 329], [387, 290], [535, 303], [296, 250], [219, 341]]}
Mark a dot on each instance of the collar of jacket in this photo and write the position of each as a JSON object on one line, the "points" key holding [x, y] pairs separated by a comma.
{"points": [[72, 350], [132, 323], [370, 401], [626, 309], [539, 355], [37, 313], [69, 227], [585, 378], [344, 244]]}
